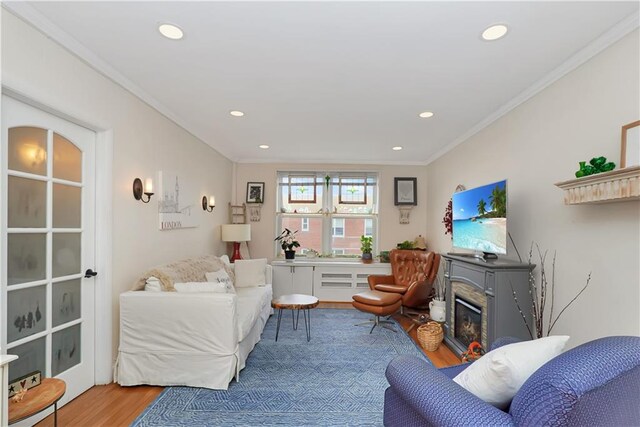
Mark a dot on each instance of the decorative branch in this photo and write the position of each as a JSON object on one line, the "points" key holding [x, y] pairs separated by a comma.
{"points": [[514, 246], [570, 302], [553, 288], [540, 292], [515, 298]]}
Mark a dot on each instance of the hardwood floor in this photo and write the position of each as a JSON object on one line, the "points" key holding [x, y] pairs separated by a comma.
{"points": [[111, 405]]}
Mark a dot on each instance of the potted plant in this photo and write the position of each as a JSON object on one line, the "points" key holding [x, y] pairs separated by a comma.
{"points": [[288, 243], [366, 246]]}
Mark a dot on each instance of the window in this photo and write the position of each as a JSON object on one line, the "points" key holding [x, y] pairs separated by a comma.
{"points": [[368, 227], [337, 229], [331, 210]]}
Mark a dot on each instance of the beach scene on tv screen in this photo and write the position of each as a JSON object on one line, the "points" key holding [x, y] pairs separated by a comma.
{"points": [[480, 218]]}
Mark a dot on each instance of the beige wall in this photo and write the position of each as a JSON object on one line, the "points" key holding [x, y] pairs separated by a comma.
{"points": [[390, 229], [540, 143], [144, 142]]}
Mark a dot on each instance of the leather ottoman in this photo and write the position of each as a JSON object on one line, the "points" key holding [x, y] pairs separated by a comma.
{"points": [[379, 304]]}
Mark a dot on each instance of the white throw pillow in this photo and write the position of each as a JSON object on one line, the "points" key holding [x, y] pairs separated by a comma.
{"points": [[153, 285], [250, 272], [225, 259], [498, 375], [201, 287], [221, 276]]}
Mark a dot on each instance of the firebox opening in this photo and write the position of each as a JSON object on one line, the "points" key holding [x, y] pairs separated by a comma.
{"points": [[468, 322]]}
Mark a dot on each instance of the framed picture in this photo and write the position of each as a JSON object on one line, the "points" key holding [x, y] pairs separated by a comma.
{"points": [[255, 192], [630, 152], [405, 191]]}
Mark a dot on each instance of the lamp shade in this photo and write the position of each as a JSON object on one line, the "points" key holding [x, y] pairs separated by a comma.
{"points": [[236, 232]]}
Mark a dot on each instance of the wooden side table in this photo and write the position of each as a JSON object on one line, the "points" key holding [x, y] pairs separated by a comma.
{"points": [[295, 302], [37, 399]]}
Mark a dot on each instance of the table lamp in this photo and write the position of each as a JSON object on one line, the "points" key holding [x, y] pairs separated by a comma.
{"points": [[236, 233]]}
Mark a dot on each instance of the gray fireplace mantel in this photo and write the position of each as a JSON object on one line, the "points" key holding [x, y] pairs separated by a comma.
{"points": [[493, 283]]}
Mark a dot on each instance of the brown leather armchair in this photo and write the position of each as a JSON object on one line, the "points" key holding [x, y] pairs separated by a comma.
{"points": [[413, 274]]}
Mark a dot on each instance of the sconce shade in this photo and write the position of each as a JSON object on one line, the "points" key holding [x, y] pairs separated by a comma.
{"points": [[236, 232]]}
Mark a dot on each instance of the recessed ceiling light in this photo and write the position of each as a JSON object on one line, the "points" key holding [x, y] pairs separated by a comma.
{"points": [[170, 31], [263, 146], [426, 114], [236, 113], [397, 148], [495, 32]]}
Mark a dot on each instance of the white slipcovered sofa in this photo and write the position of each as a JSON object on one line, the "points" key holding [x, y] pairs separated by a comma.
{"points": [[192, 339]]}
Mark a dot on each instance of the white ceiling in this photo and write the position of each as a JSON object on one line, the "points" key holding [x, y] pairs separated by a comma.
{"points": [[332, 81]]}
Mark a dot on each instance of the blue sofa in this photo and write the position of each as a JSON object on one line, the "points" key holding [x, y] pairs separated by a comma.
{"points": [[595, 384]]}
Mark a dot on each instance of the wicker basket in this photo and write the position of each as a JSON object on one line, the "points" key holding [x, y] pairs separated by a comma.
{"points": [[430, 335]]}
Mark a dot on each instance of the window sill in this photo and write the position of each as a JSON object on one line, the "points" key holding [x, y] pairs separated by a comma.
{"points": [[326, 261]]}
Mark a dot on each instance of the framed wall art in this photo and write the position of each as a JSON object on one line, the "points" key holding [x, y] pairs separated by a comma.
{"points": [[255, 192], [630, 145], [405, 191], [176, 202]]}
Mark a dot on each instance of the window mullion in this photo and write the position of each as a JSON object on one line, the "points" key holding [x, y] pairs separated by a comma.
{"points": [[327, 204]]}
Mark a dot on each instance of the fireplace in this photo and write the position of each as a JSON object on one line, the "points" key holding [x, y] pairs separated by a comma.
{"points": [[468, 322]]}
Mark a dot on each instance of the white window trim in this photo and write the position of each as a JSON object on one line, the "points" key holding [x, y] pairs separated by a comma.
{"points": [[327, 212], [304, 226]]}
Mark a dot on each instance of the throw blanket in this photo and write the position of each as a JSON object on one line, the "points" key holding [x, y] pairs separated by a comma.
{"points": [[188, 270]]}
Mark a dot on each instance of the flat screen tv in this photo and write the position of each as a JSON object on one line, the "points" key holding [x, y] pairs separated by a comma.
{"points": [[480, 219]]}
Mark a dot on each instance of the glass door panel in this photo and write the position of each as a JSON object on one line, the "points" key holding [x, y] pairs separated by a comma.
{"points": [[26, 312], [26, 257], [66, 301], [27, 205], [67, 206], [32, 356], [65, 349], [67, 159], [66, 254], [28, 150]]}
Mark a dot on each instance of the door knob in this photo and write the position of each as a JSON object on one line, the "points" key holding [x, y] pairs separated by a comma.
{"points": [[90, 273]]}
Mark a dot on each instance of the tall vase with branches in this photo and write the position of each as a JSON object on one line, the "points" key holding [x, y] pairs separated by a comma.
{"points": [[542, 291]]}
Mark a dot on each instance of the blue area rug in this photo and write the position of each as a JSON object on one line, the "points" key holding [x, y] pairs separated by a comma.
{"points": [[336, 379]]}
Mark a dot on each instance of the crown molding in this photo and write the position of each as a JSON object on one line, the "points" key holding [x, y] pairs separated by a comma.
{"points": [[607, 39], [37, 20]]}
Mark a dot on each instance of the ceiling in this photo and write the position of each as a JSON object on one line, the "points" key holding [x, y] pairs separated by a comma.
{"points": [[331, 82]]}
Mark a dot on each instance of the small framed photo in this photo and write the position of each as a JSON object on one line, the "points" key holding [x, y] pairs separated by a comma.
{"points": [[255, 192], [630, 145], [405, 191]]}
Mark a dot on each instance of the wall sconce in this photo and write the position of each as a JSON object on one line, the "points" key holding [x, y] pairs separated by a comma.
{"points": [[139, 190], [210, 205]]}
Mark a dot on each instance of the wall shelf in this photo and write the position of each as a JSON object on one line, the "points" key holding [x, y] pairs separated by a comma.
{"points": [[615, 186]]}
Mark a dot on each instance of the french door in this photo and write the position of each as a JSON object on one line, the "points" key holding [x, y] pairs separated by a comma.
{"points": [[47, 244]]}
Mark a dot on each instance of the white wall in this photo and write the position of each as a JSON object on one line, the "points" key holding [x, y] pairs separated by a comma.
{"points": [[144, 142], [390, 229], [540, 143]]}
